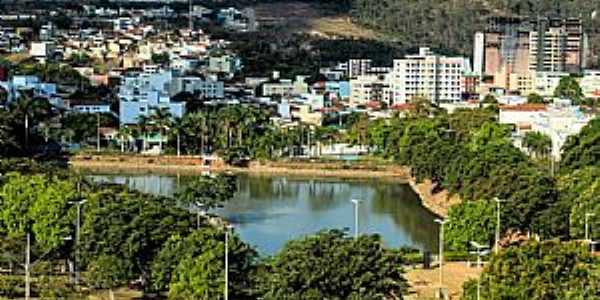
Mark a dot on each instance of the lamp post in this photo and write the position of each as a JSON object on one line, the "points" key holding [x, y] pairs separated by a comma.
{"points": [[28, 264], [481, 251], [356, 202], [587, 226], [201, 212], [441, 222], [227, 229], [98, 132], [77, 236], [497, 241]]}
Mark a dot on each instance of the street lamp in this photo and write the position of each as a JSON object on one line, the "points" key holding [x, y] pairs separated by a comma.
{"points": [[587, 226], [201, 212], [77, 236], [482, 250], [29, 264], [356, 202], [441, 222], [497, 242], [227, 229]]}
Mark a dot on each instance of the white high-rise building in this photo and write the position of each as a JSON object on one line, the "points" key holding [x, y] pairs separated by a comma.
{"points": [[435, 77], [479, 53]]}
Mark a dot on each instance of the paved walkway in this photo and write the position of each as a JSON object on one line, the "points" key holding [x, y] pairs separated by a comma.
{"points": [[423, 283]]}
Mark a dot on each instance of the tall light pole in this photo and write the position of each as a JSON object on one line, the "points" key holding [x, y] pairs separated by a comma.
{"points": [[201, 212], [227, 229], [497, 242], [98, 132], [77, 236], [587, 226], [481, 251], [28, 264], [356, 202], [441, 222]]}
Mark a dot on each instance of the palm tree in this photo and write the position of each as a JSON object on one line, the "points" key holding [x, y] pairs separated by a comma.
{"points": [[29, 109], [144, 125], [178, 128], [162, 119], [124, 134]]}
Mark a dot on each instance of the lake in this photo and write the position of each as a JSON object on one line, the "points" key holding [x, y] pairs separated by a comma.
{"points": [[269, 211]]}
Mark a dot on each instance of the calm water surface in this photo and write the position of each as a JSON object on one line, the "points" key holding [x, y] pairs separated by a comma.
{"points": [[269, 211]]}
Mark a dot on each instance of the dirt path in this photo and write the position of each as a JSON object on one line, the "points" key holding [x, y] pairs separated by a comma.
{"points": [[424, 283]]}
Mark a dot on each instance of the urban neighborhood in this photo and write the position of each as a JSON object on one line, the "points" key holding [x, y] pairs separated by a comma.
{"points": [[299, 149]]}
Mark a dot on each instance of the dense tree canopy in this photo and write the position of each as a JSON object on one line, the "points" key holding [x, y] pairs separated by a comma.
{"points": [[583, 149], [547, 270], [331, 265]]}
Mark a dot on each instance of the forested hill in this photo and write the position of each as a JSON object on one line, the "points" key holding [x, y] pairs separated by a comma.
{"points": [[452, 23], [446, 23]]}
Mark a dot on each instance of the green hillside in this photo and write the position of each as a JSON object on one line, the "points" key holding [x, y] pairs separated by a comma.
{"points": [[452, 23]]}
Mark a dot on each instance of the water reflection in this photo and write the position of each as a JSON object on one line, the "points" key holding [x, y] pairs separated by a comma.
{"points": [[268, 211]]}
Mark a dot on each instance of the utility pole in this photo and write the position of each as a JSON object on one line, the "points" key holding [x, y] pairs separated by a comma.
{"points": [[191, 20], [77, 235], [98, 132], [227, 228], [27, 268], [441, 222], [356, 202], [497, 242], [587, 226]]}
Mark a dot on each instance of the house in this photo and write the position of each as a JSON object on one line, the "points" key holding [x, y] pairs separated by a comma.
{"points": [[140, 93], [210, 89]]}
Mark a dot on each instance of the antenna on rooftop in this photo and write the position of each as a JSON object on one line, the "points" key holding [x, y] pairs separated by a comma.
{"points": [[191, 17]]}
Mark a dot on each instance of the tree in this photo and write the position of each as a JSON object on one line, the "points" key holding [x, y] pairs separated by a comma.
{"points": [[39, 205], [107, 272], [547, 270], [534, 98], [331, 265], [162, 119], [569, 88], [124, 134], [129, 225], [207, 192], [471, 221], [489, 99], [583, 149], [538, 143], [193, 267], [579, 192], [145, 126]]}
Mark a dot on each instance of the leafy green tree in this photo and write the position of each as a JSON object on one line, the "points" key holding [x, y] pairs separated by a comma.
{"points": [[161, 118], [107, 272], [534, 98], [193, 267], [538, 143], [331, 265], [130, 226], [583, 149], [580, 190], [37, 204], [471, 221], [206, 191], [569, 88], [547, 270], [489, 99]]}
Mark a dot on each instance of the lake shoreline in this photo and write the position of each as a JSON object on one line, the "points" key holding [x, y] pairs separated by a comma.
{"points": [[437, 203]]}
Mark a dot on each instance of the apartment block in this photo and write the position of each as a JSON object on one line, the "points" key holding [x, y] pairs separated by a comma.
{"points": [[209, 89], [435, 77], [371, 87]]}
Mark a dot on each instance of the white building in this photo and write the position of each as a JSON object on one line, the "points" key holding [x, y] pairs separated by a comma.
{"points": [[479, 53], [435, 77], [558, 121], [546, 82], [358, 67], [371, 87], [590, 84]]}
